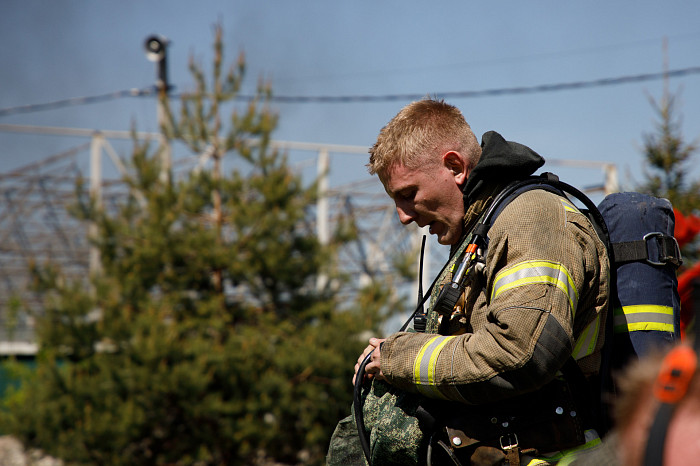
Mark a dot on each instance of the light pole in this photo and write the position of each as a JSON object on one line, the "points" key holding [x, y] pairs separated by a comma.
{"points": [[156, 51]]}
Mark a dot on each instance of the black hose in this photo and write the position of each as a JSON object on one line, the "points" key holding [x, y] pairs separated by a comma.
{"points": [[357, 404], [360, 375]]}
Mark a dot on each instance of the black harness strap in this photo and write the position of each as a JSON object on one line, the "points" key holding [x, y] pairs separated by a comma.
{"points": [[665, 248]]}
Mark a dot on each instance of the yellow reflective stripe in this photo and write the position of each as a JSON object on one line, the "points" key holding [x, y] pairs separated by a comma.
{"points": [[587, 340], [643, 317], [533, 272], [565, 457], [568, 206], [425, 364]]}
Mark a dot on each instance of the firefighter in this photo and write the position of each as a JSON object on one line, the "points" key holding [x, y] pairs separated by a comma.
{"points": [[493, 362]]}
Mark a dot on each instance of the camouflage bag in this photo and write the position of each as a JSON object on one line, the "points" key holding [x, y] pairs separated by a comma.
{"points": [[394, 432]]}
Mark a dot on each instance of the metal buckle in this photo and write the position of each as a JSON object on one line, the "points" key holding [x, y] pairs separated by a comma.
{"points": [[510, 444], [662, 254]]}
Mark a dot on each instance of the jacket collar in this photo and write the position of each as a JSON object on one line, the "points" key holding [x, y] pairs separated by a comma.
{"points": [[501, 163]]}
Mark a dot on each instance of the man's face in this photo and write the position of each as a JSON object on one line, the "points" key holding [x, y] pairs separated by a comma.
{"points": [[429, 196]]}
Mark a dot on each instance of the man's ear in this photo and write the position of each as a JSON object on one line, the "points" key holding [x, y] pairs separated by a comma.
{"points": [[457, 164]]}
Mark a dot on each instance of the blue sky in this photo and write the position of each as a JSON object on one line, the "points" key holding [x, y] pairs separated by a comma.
{"points": [[53, 50]]}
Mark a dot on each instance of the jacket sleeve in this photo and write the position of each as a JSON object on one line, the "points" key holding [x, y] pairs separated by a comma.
{"points": [[542, 265]]}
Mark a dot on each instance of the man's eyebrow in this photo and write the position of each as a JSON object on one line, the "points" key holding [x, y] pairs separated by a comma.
{"points": [[402, 191]]}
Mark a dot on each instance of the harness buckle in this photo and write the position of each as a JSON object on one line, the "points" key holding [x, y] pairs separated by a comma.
{"points": [[510, 442], [663, 244]]}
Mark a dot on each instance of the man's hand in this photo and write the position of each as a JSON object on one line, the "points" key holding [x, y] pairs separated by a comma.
{"points": [[372, 369]]}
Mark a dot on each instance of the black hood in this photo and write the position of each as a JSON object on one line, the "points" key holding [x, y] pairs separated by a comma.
{"points": [[501, 162]]}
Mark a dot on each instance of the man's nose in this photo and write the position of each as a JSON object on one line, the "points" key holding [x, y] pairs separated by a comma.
{"points": [[406, 213]]}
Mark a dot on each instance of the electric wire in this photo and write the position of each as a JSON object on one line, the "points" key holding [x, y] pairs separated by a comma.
{"points": [[75, 101], [542, 88], [282, 99]]}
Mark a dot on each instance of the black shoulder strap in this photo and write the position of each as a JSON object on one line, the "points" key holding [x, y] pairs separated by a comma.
{"points": [[535, 183], [549, 182]]}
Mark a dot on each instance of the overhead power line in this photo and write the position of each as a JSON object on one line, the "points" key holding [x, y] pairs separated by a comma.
{"points": [[488, 92], [78, 101], [542, 88]]}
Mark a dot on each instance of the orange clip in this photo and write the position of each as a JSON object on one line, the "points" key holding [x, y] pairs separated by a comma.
{"points": [[675, 375]]}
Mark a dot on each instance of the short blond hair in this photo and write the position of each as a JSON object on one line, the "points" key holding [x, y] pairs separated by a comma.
{"points": [[418, 133]]}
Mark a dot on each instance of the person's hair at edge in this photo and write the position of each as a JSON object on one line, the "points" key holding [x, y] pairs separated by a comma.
{"points": [[636, 385], [420, 130]]}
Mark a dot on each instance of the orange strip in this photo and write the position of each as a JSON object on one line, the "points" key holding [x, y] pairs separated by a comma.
{"points": [[675, 375]]}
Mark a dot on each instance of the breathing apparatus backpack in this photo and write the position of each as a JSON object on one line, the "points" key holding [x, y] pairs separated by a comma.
{"points": [[646, 305], [637, 230]]}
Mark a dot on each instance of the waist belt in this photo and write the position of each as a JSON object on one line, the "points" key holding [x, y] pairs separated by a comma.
{"points": [[546, 420]]}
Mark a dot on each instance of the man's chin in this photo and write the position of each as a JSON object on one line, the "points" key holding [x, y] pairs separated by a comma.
{"points": [[438, 230], [444, 241], [446, 237]]}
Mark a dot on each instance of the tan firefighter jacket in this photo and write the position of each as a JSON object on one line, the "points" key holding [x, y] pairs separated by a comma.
{"points": [[541, 298]]}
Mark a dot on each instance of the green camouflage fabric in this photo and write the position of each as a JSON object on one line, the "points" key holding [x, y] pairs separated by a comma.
{"points": [[433, 317], [345, 448], [395, 435]]}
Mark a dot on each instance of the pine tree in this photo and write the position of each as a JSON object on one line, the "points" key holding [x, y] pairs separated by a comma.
{"points": [[204, 338], [669, 157]]}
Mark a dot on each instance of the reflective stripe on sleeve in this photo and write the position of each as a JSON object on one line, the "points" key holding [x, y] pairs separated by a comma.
{"points": [[536, 272], [586, 342], [643, 317], [568, 206], [424, 366]]}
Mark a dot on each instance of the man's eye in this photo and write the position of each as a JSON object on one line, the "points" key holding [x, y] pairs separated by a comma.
{"points": [[407, 195]]}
